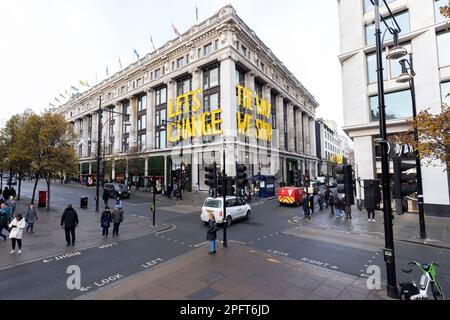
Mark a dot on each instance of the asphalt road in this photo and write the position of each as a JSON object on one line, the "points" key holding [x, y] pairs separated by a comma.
{"points": [[269, 229]]}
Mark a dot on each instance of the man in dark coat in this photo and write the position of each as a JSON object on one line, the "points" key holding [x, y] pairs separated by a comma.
{"points": [[6, 193], [327, 196], [105, 197], [69, 221], [211, 234]]}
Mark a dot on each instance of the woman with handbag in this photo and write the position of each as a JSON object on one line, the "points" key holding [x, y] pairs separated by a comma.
{"points": [[211, 234], [17, 225]]}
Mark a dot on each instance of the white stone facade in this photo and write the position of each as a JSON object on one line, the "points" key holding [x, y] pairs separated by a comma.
{"points": [[207, 57], [424, 34]]}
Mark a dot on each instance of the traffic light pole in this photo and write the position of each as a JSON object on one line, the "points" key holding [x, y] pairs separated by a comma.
{"points": [[423, 233], [224, 191], [99, 146], [389, 254], [154, 200]]}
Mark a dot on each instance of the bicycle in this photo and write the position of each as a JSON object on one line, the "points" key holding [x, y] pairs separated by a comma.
{"points": [[410, 290]]}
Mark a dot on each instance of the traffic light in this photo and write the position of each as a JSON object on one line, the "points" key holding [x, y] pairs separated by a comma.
{"points": [[306, 182], [297, 178], [405, 184], [241, 176], [185, 178], [211, 176], [344, 178], [225, 186]]}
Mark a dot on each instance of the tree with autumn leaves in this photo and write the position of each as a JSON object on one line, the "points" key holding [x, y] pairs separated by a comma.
{"points": [[39, 145]]}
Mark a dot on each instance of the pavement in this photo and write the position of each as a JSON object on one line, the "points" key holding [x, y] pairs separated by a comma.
{"points": [[237, 272], [48, 238], [405, 227]]}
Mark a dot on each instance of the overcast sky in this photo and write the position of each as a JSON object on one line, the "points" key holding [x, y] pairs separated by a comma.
{"points": [[48, 45]]}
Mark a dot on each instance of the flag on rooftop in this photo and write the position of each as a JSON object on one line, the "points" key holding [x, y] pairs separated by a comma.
{"points": [[175, 30], [136, 53], [153, 45], [84, 83], [61, 95], [120, 64], [56, 99], [74, 88]]}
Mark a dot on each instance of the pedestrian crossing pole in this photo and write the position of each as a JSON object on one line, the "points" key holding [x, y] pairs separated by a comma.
{"points": [[224, 191]]}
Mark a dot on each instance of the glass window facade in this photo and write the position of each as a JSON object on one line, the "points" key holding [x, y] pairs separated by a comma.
{"points": [[445, 93], [160, 117], [142, 103], [398, 105], [372, 67], [207, 49], [211, 77], [403, 21], [443, 41], [369, 6]]}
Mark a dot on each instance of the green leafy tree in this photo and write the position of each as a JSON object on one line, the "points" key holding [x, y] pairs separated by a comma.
{"points": [[19, 149], [56, 148]]}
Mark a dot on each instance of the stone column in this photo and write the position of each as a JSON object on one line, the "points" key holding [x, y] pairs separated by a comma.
{"points": [[196, 84], [313, 137], [146, 167], [228, 99], [133, 121], [171, 95], [290, 119], [117, 129], [300, 132], [165, 171], [306, 129], [150, 135], [280, 122]]}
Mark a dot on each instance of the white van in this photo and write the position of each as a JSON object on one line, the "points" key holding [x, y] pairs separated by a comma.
{"points": [[236, 209]]}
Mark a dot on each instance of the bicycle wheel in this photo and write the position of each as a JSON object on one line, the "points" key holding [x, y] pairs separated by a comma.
{"points": [[436, 289]]}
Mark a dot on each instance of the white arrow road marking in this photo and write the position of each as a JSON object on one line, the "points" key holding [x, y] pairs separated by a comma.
{"points": [[84, 289], [47, 261]]}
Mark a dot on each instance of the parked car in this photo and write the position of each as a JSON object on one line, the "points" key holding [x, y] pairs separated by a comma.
{"points": [[236, 209], [117, 190], [290, 196]]}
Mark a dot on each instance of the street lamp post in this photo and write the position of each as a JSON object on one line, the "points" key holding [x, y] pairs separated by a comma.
{"points": [[99, 147], [409, 77], [395, 53]]}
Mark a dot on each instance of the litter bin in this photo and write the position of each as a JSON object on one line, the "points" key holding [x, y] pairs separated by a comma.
{"points": [[84, 202], [42, 199]]}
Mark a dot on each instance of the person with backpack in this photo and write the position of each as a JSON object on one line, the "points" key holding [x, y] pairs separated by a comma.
{"points": [[117, 219], [338, 206], [4, 219], [105, 222]]}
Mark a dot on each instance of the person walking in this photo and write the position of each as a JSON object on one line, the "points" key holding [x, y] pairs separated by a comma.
{"points": [[4, 219], [211, 234], [331, 204], [117, 219], [6, 193], [320, 200], [338, 205], [105, 197], [105, 222], [305, 206], [31, 217], [11, 203], [371, 215], [69, 220], [327, 196], [311, 202], [12, 192], [16, 226]]}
